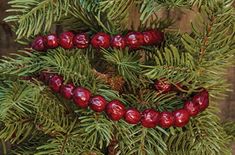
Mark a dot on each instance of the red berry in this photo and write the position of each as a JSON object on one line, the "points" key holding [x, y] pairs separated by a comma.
{"points": [[100, 40], [163, 86], [134, 40], [150, 118], [158, 36], [132, 116], [38, 44], [66, 40], [115, 110], [192, 108], [98, 103], [148, 38], [81, 40], [47, 76], [202, 99], [81, 97], [118, 42], [51, 41], [181, 117], [55, 83], [166, 119], [67, 90]]}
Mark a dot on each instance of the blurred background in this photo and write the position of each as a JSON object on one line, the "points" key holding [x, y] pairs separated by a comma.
{"points": [[7, 45]]}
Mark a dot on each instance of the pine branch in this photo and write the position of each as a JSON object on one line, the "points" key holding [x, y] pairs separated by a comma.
{"points": [[203, 134], [96, 130], [145, 141], [172, 65], [127, 64], [24, 64], [34, 17], [211, 48]]}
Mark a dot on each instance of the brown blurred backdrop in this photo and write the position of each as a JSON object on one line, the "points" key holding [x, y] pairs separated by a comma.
{"points": [[8, 45]]}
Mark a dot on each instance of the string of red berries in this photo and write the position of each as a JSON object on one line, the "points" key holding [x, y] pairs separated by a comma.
{"points": [[116, 110], [68, 40]]}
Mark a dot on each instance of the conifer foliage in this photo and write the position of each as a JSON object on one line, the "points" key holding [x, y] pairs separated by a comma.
{"points": [[36, 120]]}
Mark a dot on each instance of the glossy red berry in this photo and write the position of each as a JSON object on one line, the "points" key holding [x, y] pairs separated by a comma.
{"points": [[115, 110], [150, 118], [118, 42], [66, 40], [38, 44], [192, 108], [163, 86], [134, 40], [55, 83], [67, 90], [202, 99], [148, 38], [181, 117], [132, 116], [51, 41], [81, 40], [166, 119], [100, 40], [98, 103], [81, 97]]}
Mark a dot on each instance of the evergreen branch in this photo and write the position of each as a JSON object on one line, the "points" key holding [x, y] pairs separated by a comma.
{"points": [[81, 11], [212, 48], [203, 134], [68, 143], [96, 130], [23, 64], [51, 121], [229, 127], [127, 64], [17, 97], [17, 107], [211, 3], [145, 141], [34, 17], [150, 8], [29, 147], [172, 65]]}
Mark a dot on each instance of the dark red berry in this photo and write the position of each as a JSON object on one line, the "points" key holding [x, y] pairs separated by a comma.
{"points": [[163, 86], [38, 44], [148, 38], [150, 118], [134, 40], [47, 77], [132, 116], [51, 41], [98, 103], [181, 117], [158, 36], [100, 40], [118, 42], [192, 108], [81, 40], [66, 40], [202, 99], [81, 97], [166, 119], [115, 110], [67, 90], [55, 83]]}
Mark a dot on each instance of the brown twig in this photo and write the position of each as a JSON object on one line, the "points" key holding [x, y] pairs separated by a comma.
{"points": [[116, 82]]}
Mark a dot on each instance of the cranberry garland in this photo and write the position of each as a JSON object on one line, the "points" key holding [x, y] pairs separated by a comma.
{"points": [[116, 110], [68, 40]]}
